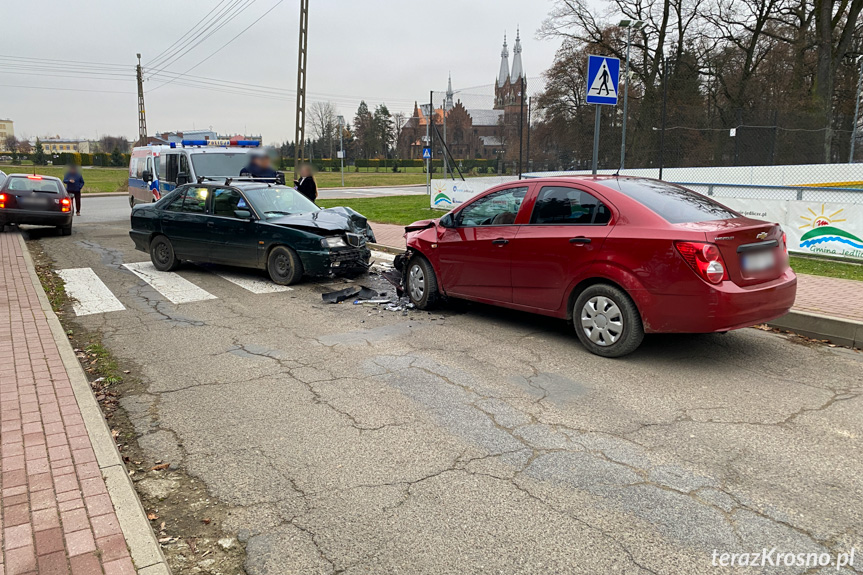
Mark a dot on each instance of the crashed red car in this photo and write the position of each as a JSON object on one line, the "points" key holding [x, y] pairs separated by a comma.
{"points": [[618, 256]]}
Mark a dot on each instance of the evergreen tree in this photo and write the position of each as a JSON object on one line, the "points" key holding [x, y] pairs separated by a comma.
{"points": [[38, 155], [116, 158]]}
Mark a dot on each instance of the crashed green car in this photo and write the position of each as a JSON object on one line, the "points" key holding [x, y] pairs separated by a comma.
{"points": [[255, 225]]}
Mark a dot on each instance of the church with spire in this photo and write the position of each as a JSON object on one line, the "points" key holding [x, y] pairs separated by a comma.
{"points": [[473, 132]]}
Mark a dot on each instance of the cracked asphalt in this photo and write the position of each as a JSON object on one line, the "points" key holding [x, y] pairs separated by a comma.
{"points": [[342, 439]]}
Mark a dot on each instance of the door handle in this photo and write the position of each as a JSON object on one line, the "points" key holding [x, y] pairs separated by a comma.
{"points": [[580, 240], [210, 224], [500, 242]]}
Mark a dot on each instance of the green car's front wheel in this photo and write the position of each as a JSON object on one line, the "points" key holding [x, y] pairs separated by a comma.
{"points": [[284, 266]]}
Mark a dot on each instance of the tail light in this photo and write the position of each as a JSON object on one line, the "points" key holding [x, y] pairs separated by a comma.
{"points": [[785, 243], [2, 200], [704, 259], [34, 177], [65, 204]]}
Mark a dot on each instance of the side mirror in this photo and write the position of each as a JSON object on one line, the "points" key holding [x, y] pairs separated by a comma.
{"points": [[448, 221], [280, 178], [243, 214], [147, 176], [183, 178]]}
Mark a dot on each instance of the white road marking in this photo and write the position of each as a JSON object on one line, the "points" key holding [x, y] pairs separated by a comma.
{"points": [[251, 283], [90, 294], [173, 286]]}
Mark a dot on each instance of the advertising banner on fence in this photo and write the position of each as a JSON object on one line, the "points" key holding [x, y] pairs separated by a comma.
{"points": [[831, 229], [447, 194]]}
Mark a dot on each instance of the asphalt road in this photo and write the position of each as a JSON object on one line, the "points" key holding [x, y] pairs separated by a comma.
{"points": [[477, 440]]}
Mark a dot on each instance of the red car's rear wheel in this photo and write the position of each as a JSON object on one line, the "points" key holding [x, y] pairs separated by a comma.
{"points": [[607, 321]]}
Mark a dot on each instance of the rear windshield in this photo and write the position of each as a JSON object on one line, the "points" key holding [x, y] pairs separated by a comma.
{"points": [[17, 184], [674, 204]]}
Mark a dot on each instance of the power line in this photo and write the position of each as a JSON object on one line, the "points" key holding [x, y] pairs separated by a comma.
{"points": [[229, 17], [188, 32], [54, 61], [65, 89], [243, 31]]}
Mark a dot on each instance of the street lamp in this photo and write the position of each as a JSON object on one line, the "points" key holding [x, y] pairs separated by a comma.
{"points": [[629, 25], [342, 146]]}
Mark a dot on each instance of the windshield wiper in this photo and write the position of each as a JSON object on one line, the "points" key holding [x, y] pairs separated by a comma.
{"points": [[278, 212]]}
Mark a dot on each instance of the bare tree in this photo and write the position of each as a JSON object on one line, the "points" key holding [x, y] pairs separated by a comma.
{"points": [[324, 125], [10, 143]]}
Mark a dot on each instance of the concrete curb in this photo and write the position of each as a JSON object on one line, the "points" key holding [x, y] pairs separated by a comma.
{"points": [[844, 332], [103, 194], [386, 249], [143, 547]]}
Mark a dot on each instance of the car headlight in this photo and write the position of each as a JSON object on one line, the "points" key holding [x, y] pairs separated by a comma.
{"points": [[334, 242]]}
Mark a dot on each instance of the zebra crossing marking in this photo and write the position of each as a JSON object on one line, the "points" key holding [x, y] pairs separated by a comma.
{"points": [[174, 287], [89, 294], [256, 285]]}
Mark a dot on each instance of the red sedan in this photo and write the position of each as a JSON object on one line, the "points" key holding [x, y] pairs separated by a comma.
{"points": [[618, 256]]}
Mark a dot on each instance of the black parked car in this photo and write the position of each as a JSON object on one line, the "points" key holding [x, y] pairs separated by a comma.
{"points": [[36, 200], [255, 225]]}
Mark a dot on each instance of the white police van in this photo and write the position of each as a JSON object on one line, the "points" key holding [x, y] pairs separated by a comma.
{"points": [[156, 170]]}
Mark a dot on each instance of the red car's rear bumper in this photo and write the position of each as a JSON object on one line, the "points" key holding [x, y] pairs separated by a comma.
{"points": [[719, 308]]}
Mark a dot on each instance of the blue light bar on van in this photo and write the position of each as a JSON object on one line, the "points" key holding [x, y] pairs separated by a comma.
{"points": [[249, 143], [194, 142]]}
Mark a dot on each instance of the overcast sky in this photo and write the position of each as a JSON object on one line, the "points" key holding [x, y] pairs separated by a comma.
{"points": [[391, 51]]}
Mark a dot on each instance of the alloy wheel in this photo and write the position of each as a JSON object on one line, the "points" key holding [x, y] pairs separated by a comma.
{"points": [[602, 320]]}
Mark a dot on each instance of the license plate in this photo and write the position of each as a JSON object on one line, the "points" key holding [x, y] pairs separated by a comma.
{"points": [[759, 261], [33, 202]]}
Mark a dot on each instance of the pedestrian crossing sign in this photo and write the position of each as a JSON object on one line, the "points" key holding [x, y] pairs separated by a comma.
{"points": [[603, 75], [426, 153]]}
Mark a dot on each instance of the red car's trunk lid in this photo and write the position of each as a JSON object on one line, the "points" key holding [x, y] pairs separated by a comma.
{"points": [[753, 250]]}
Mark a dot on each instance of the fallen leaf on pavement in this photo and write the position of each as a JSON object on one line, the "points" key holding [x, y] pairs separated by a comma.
{"points": [[161, 466], [152, 516]]}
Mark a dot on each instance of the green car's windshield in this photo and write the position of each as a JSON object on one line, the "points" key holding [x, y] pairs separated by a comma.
{"points": [[275, 201]]}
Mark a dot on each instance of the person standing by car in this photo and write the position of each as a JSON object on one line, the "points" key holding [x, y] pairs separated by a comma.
{"points": [[74, 184], [306, 184], [260, 166]]}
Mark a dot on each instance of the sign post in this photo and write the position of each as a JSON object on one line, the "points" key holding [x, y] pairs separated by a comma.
{"points": [[603, 76]]}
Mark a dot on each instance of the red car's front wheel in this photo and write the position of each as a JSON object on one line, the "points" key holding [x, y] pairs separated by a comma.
{"points": [[607, 321]]}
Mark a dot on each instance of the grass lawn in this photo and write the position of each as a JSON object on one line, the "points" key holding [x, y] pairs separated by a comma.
{"points": [[95, 179], [401, 210], [363, 179], [829, 268]]}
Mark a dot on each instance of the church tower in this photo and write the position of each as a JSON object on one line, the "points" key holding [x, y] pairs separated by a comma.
{"points": [[449, 94], [501, 86], [507, 89]]}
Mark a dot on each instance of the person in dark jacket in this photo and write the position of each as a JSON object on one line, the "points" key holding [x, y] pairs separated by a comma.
{"points": [[306, 184], [259, 166], [74, 184]]}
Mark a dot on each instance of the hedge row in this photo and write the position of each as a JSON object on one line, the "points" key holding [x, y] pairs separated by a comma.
{"points": [[99, 159]]}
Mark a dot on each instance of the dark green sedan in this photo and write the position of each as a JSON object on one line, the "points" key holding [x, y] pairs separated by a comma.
{"points": [[254, 225]]}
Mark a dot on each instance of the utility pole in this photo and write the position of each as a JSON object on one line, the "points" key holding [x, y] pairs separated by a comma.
{"points": [[629, 25], [429, 120], [142, 117], [520, 126], [342, 146], [664, 110], [529, 102], [300, 134], [856, 109]]}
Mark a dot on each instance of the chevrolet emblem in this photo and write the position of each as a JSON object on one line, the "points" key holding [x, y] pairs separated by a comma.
{"points": [[761, 236]]}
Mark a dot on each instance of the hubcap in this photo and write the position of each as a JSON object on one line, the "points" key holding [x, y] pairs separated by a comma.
{"points": [[416, 282], [602, 320]]}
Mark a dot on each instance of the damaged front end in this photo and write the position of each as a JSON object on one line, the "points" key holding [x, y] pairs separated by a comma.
{"points": [[398, 275]]}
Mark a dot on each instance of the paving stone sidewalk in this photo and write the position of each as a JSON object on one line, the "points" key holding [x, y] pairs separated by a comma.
{"points": [[815, 294], [57, 516]]}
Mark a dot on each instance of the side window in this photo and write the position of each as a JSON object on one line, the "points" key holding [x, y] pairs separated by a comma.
{"points": [[226, 200], [195, 199], [176, 204], [133, 163], [160, 167], [184, 165], [497, 209], [171, 168], [139, 167], [150, 166], [560, 205]]}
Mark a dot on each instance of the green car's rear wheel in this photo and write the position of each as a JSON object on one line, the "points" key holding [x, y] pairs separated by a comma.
{"points": [[284, 266], [162, 254]]}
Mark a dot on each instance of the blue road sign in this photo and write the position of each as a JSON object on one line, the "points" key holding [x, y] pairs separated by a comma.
{"points": [[426, 153], [603, 76]]}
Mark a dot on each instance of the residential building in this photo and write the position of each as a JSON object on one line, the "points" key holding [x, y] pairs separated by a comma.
{"points": [[64, 145], [6, 130]]}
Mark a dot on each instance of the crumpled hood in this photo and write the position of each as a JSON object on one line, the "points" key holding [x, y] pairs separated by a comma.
{"points": [[325, 221]]}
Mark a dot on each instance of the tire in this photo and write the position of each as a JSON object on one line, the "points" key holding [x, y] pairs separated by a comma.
{"points": [[284, 266], [162, 254], [131, 201], [65, 231], [421, 283], [607, 321]]}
